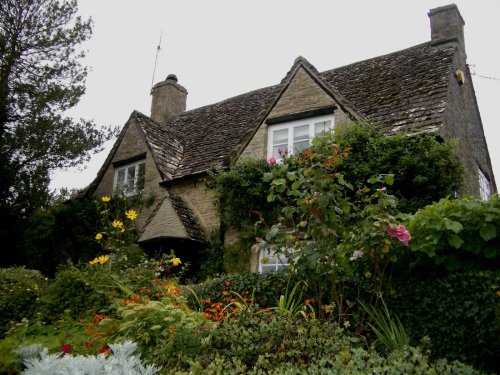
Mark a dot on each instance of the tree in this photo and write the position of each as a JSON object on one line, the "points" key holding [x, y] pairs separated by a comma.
{"points": [[41, 77]]}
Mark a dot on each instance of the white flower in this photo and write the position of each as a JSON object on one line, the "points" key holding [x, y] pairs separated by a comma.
{"points": [[357, 254]]}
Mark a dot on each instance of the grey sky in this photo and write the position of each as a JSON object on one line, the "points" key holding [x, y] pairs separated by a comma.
{"points": [[219, 49]]}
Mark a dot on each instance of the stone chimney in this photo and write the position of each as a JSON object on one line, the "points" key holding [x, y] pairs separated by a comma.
{"points": [[447, 25], [169, 99]]}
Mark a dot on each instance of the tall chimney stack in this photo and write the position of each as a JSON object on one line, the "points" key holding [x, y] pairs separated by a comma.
{"points": [[169, 99], [447, 25]]}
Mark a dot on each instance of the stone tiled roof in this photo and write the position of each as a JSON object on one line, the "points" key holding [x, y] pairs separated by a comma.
{"points": [[165, 142], [405, 90], [212, 132], [193, 228]]}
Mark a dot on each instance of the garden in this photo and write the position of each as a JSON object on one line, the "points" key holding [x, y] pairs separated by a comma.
{"points": [[387, 273]]}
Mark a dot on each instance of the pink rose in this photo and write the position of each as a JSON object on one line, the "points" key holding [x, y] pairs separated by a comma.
{"points": [[400, 232], [271, 160]]}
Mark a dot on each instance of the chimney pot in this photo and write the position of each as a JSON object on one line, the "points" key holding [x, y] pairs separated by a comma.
{"points": [[169, 99]]}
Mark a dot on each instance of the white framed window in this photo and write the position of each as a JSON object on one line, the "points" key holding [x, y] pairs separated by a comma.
{"points": [[295, 136], [129, 178], [484, 186], [269, 261]]}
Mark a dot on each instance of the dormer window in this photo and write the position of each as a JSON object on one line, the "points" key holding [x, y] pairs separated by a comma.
{"points": [[484, 186], [292, 137], [129, 176]]}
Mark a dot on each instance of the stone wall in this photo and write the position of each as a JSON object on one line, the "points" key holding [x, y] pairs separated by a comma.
{"points": [[463, 122], [303, 94], [133, 144]]}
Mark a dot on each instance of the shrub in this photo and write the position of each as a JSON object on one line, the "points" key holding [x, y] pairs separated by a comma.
{"points": [[457, 234], [270, 344], [166, 331], [459, 312], [265, 288], [425, 167], [72, 292], [19, 291]]}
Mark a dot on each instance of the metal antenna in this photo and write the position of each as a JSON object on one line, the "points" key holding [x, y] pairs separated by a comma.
{"points": [[156, 60]]}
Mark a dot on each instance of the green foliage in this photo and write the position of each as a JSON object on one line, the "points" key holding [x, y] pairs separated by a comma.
{"points": [[272, 344], [41, 77], [459, 312], [65, 231], [388, 329], [266, 288], [425, 168], [331, 233], [166, 331], [241, 194], [72, 293], [19, 292], [290, 303], [458, 234]]}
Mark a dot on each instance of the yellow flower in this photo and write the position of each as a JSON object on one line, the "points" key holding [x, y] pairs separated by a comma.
{"points": [[99, 260], [368, 275], [98, 236], [131, 214], [117, 224], [175, 261], [105, 199]]}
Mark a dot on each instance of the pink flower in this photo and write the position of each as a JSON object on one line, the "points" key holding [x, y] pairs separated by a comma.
{"points": [[400, 232], [271, 160]]}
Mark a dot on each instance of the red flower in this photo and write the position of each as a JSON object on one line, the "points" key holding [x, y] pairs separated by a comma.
{"points": [[104, 351], [87, 344], [65, 348], [271, 160]]}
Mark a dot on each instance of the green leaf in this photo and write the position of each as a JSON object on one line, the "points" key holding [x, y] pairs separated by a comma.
{"points": [[455, 241], [454, 226], [323, 200], [389, 179], [291, 176], [487, 232], [270, 197]]}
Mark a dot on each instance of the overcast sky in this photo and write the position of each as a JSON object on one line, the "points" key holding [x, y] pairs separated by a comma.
{"points": [[219, 49]]}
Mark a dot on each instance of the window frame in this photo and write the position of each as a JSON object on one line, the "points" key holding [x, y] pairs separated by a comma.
{"points": [[125, 167], [290, 125], [281, 264], [484, 186]]}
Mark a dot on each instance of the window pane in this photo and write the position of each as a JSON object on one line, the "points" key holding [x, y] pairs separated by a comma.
{"points": [[300, 133], [321, 127], [299, 146], [120, 179], [280, 137], [140, 176]]}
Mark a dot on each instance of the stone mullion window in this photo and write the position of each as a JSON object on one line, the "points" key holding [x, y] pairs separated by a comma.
{"points": [[293, 137], [129, 178], [484, 186]]}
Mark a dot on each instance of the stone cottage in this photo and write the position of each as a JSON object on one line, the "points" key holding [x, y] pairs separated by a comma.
{"points": [[421, 89]]}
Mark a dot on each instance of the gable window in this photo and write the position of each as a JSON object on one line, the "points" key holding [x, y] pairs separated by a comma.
{"points": [[295, 136], [484, 186], [129, 178], [269, 261]]}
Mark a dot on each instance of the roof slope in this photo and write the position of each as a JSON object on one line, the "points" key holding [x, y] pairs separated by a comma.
{"points": [[213, 131], [405, 90]]}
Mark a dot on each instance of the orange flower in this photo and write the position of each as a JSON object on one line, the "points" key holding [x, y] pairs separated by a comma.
{"points": [[225, 292]]}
